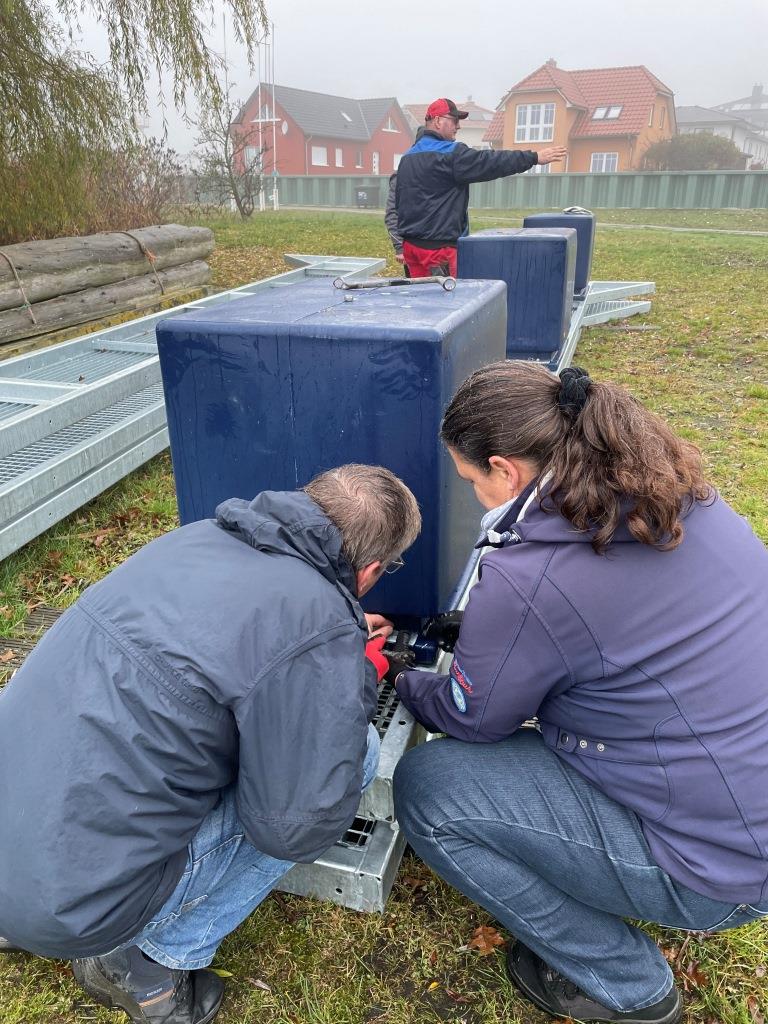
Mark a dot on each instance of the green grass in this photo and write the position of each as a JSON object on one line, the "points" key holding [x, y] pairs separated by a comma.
{"points": [[704, 366], [723, 220]]}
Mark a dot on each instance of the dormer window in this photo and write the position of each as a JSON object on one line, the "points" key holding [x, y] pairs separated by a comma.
{"points": [[607, 113]]}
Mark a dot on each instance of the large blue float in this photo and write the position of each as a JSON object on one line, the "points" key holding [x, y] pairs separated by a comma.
{"points": [[268, 391]]}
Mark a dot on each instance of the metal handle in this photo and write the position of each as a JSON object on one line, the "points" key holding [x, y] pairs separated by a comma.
{"points": [[447, 283]]}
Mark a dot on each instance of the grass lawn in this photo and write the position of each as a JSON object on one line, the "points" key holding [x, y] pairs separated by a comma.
{"points": [[722, 220], [703, 364]]}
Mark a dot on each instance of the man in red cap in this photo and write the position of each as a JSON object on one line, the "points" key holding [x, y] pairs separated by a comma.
{"points": [[433, 181]]}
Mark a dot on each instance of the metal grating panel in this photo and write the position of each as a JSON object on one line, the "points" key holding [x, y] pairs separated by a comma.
{"points": [[41, 619], [359, 877], [388, 703], [357, 835], [56, 444], [86, 367], [12, 408]]}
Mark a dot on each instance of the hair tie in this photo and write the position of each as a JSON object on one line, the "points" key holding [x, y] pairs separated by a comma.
{"points": [[574, 388]]}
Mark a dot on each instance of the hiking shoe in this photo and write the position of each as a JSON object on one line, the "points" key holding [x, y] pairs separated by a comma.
{"points": [[554, 994], [148, 992], [6, 946]]}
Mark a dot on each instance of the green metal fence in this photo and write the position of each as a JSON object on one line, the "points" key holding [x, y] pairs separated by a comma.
{"points": [[710, 190]]}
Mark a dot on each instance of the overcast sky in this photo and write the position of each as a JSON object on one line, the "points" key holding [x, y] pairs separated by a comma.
{"points": [[706, 53]]}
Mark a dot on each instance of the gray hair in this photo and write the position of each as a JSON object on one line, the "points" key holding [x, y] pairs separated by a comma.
{"points": [[376, 514]]}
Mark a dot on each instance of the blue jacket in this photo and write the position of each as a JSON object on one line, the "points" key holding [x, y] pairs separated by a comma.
{"points": [[432, 189], [647, 670], [226, 652]]}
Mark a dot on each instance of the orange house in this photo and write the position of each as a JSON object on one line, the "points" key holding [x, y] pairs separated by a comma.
{"points": [[606, 117]]}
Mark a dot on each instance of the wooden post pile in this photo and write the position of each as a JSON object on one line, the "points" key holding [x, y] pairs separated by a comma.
{"points": [[57, 283]]}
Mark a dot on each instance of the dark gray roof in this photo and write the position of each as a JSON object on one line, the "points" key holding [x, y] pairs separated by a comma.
{"points": [[337, 117], [703, 115], [707, 115]]}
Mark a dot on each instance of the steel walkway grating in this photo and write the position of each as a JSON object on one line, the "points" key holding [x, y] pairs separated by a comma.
{"points": [[41, 618], [36, 623], [85, 367], [11, 409], [358, 834], [387, 705], [68, 438]]}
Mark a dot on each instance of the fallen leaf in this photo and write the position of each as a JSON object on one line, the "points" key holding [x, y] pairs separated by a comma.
{"points": [[433, 985], [7, 655], [221, 973], [754, 1010], [456, 997], [693, 976], [415, 883], [258, 983], [485, 940], [760, 971]]}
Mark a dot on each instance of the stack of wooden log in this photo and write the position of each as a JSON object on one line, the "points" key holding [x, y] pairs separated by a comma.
{"points": [[49, 285]]}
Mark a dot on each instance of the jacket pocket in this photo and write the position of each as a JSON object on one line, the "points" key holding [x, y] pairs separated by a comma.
{"points": [[642, 787]]}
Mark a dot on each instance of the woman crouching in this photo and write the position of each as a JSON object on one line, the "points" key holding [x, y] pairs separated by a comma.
{"points": [[621, 603]]}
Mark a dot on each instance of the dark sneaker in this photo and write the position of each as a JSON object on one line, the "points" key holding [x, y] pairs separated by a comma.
{"points": [[148, 992], [554, 994], [6, 946]]}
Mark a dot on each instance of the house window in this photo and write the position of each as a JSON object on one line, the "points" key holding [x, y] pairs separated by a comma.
{"points": [[535, 122], [662, 117], [390, 126], [339, 157], [650, 116], [251, 155], [607, 113], [538, 169], [319, 156], [359, 158], [396, 161], [604, 163]]}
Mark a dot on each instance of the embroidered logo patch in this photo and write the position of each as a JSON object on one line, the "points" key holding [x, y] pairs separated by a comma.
{"points": [[458, 696], [461, 677]]}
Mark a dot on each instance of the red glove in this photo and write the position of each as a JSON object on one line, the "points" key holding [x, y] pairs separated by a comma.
{"points": [[374, 655]]}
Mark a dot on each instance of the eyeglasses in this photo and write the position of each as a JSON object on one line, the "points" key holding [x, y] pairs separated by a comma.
{"points": [[394, 565], [450, 117]]}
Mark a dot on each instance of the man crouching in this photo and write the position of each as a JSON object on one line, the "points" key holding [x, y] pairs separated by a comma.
{"points": [[193, 725]]}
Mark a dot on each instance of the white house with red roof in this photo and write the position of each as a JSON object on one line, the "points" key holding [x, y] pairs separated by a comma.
{"points": [[606, 117], [472, 130]]}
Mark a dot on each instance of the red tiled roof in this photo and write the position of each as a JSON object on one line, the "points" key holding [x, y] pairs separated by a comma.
{"points": [[634, 89], [477, 114], [495, 131], [548, 76]]}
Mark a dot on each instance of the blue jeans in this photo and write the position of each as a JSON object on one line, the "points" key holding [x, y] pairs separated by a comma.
{"points": [[554, 860], [225, 879]]}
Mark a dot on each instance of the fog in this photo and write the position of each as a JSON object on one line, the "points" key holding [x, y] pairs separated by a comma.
{"points": [[704, 54]]}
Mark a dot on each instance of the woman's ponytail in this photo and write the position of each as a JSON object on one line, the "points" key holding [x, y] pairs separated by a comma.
{"points": [[609, 459]]}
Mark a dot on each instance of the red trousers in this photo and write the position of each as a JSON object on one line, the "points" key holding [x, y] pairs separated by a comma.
{"points": [[426, 262]]}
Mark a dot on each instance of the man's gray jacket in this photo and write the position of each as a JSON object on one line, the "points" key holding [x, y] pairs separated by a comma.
{"points": [[228, 651]]}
